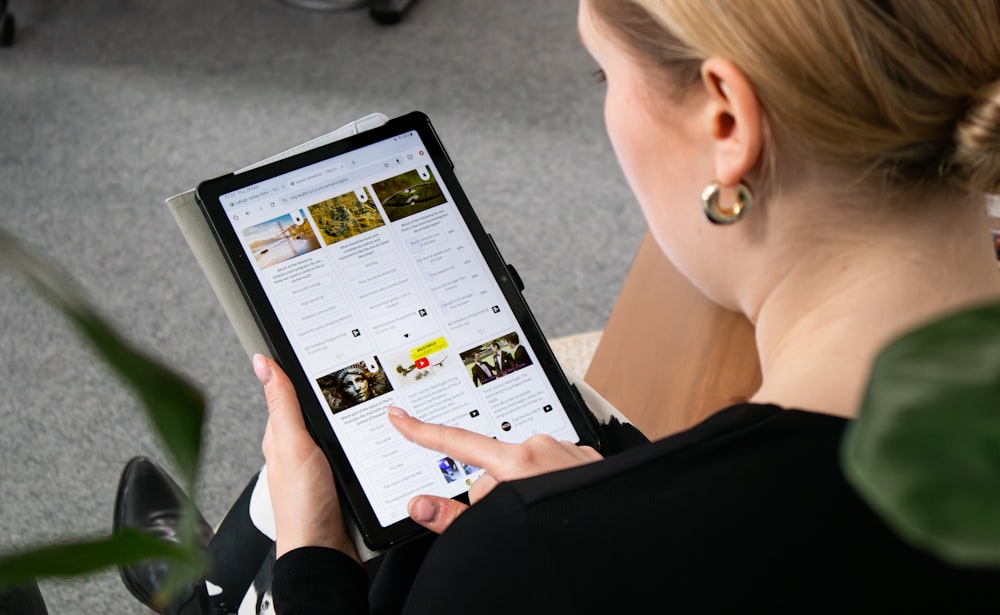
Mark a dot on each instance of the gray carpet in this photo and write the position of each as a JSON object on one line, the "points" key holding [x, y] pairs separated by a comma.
{"points": [[109, 106]]}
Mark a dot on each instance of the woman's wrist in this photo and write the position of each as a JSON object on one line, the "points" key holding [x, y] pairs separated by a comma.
{"points": [[337, 541]]}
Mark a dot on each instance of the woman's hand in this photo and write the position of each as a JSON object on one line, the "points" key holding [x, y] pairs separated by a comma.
{"points": [[303, 494], [501, 462]]}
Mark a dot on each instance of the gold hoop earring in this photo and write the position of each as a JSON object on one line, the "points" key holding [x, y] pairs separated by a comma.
{"points": [[717, 215]]}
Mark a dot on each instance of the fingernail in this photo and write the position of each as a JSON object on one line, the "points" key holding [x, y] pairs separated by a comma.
{"points": [[262, 369], [399, 412], [423, 510]]}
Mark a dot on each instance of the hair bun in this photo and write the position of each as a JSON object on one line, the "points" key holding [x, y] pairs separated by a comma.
{"points": [[977, 142]]}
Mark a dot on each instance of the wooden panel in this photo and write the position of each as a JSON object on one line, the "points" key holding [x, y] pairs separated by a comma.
{"points": [[669, 357]]}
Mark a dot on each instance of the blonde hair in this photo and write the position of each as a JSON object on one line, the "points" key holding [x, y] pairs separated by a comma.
{"points": [[907, 89]]}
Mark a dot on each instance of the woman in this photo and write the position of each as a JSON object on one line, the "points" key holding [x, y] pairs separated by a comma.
{"points": [[842, 151], [856, 141]]}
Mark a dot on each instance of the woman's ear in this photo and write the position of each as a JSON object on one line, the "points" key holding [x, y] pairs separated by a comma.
{"points": [[736, 121]]}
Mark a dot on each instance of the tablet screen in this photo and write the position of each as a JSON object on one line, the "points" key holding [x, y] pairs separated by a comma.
{"points": [[386, 299]]}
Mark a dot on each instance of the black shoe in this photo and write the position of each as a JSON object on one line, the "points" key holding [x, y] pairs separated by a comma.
{"points": [[22, 600], [389, 11], [150, 501]]}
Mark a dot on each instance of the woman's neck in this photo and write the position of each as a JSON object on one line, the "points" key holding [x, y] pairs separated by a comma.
{"points": [[823, 321]]}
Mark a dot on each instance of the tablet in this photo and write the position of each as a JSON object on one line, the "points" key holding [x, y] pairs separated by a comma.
{"points": [[375, 284]]}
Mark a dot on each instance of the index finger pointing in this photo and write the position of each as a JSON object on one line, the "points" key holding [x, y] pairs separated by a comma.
{"points": [[460, 444]]}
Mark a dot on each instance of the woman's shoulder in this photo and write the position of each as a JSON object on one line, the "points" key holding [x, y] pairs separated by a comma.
{"points": [[733, 432], [751, 495]]}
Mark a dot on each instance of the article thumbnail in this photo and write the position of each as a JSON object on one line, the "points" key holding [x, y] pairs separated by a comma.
{"points": [[355, 384], [453, 471], [420, 363], [281, 239], [346, 216], [495, 358], [409, 193], [449, 469]]}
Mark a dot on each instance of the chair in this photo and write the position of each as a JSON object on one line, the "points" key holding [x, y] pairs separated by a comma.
{"points": [[8, 26]]}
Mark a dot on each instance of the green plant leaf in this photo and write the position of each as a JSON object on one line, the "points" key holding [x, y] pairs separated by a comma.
{"points": [[925, 448], [85, 557], [175, 408]]}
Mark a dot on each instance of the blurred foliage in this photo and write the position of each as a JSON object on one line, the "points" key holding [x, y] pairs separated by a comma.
{"points": [[176, 412], [925, 448]]}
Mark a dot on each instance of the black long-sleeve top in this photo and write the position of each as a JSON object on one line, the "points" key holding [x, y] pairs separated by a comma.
{"points": [[747, 511]]}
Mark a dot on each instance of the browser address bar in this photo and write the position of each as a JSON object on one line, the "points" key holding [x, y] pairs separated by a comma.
{"points": [[325, 186], [388, 162]]}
